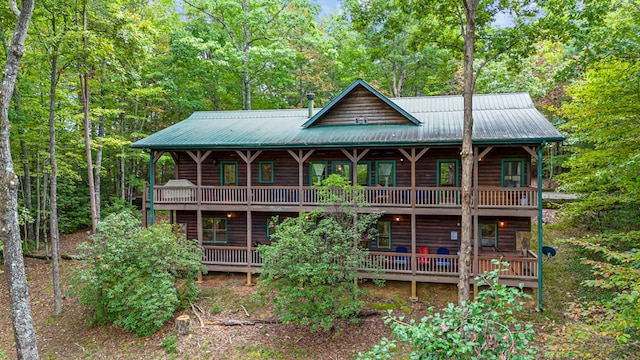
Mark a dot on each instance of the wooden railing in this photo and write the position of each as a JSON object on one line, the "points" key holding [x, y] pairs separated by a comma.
{"points": [[488, 197], [507, 197], [519, 267], [524, 268]]}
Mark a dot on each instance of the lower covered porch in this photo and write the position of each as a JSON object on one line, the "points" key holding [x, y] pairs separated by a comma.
{"points": [[522, 267]]}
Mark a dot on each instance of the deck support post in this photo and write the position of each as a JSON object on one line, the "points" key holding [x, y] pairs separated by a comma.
{"points": [[414, 291], [151, 159], [249, 278]]}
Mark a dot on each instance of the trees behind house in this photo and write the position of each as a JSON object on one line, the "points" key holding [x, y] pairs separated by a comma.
{"points": [[310, 268]]}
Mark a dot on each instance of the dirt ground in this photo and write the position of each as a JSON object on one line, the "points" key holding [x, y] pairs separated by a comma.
{"points": [[70, 337]]}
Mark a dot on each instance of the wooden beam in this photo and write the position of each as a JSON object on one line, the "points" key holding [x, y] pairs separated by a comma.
{"points": [[306, 156], [362, 154], [206, 154], [421, 153], [351, 158], [193, 156], [255, 156], [157, 156], [406, 154], [531, 152], [294, 155], [243, 156], [485, 152]]}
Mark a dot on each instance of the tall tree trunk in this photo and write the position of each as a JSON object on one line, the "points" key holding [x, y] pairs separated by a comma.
{"points": [[84, 86], [27, 188], [24, 333], [96, 170], [470, 8], [53, 215]]}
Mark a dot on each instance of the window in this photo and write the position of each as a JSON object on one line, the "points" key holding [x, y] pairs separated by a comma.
{"points": [[447, 172], [317, 172], [214, 230], [342, 168], [386, 173], [229, 173], [384, 235], [512, 172], [489, 234], [364, 173], [265, 172]]}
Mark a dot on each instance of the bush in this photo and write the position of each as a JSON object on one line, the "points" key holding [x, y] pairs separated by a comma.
{"points": [[486, 329], [310, 271], [134, 277]]}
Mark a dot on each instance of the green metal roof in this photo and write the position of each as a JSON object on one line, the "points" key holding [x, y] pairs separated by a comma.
{"points": [[438, 120]]}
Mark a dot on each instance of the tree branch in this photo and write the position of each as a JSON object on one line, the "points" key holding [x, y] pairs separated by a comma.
{"points": [[14, 8], [217, 19]]}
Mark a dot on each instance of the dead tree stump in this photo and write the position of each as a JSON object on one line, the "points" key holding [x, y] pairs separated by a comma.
{"points": [[182, 324]]}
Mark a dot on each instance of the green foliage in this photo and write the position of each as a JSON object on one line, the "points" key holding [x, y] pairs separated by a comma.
{"points": [[602, 123], [486, 329], [170, 343], [117, 205], [134, 277], [310, 270]]}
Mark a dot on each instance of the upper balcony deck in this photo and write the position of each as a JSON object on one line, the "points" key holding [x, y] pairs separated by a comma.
{"points": [[488, 197]]}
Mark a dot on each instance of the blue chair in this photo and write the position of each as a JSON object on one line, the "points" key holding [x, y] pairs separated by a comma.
{"points": [[443, 262], [402, 260]]}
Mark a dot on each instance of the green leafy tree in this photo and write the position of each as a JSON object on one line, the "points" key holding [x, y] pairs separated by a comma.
{"points": [[604, 323], [310, 271], [491, 329], [135, 277]]}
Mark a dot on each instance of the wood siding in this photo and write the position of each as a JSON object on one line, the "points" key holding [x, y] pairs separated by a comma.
{"points": [[361, 104]]}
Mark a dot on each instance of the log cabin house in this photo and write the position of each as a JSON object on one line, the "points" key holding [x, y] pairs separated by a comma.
{"points": [[234, 170]]}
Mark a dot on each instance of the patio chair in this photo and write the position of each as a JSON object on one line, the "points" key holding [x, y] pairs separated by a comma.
{"points": [[402, 260], [443, 262], [423, 260]]}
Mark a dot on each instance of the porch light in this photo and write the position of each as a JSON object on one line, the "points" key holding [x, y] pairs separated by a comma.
{"points": [[229, 215], [214, 161], [501, 224], [397, 219]]}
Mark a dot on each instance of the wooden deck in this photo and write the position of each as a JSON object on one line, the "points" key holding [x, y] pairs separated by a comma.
{"points": [[434, 268], [424, 197]]}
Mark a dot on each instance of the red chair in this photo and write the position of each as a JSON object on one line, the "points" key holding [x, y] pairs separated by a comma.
{"points": [[423, 260]]}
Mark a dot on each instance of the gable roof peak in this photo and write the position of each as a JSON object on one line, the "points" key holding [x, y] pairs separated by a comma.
{"points": [[360, 83]]}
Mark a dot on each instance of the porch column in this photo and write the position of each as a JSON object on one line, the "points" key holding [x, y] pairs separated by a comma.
{"points": [[198, 157], [248, 159], [540, 237], [151, 176], [300, 157], [476, 200], [413, 158]]}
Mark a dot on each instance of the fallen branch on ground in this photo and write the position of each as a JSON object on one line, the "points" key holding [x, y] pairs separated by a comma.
{"points": [[45, 257]]}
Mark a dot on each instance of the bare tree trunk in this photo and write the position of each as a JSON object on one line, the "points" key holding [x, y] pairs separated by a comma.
{"points": [[470, 8], [98, 167], [84, 85], [27, 188], [39, 207], [24, 333], [53, 216]]}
